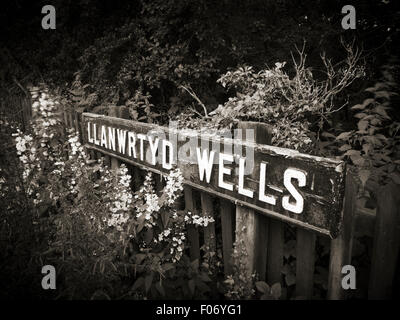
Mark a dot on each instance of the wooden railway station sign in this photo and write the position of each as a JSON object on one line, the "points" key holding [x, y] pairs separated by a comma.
{"points": [[304, 190]]}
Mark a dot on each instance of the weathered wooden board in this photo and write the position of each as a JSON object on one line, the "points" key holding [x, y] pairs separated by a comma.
{"points": [[301, 189]]}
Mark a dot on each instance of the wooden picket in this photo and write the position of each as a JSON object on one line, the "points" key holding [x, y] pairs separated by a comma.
{"points": [[251, 226], [264, 236], [17, 108], [386, 244]]}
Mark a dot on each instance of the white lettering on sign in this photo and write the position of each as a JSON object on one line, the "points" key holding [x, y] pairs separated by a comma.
{"points": [[141, 137], [90, 139], [153, 149], [262, 196], [167, 164], [300, 176], [278, 182], [95, 135], [294, 202], [205, 163], [223, 171], [111, 138], [103, 141], [121, 140], [131, 144], [242, 190]]}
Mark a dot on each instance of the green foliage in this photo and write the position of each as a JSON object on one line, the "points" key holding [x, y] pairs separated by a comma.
{"points": [[241, 283], [296, 107], [140, 107], [374, 146], [273, 292]]}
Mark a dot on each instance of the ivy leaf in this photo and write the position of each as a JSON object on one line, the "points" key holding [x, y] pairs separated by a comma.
{"points": [[364, 175], [202, 286], [357, 160], [345, 147], [134, 114], [290, 278], [148, 235], [381, 111], [289, 249], [262, 286], [358, 107], [160, 289], [382, 94], [192, 286], [360, 115], [344, 135], [43, 208], [381, 137], [195, 264], [266, 296], [328, 135], [276, 290], [138, 283], [352, 153], [362, 125], [367, 102], [366, 147], [140, 221], [204, 277], [395, 177], [139, 258], [148, 281], [165, 218], [168, 266]]}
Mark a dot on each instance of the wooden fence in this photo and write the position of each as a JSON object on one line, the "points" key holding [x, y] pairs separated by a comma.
{"points": [[264, 235], [16, 107]]}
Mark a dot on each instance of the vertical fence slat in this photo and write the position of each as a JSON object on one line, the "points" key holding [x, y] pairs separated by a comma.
{"points": [[252, 229], [193, 233], [209, 231], [137, 178], [227, 234], [342, 245], [65, 117], [250, 225], [78, 125], [26, 103], [70, 119], [386, 243], [305, 262], [159, 185], [113, 112], [275, 251]]}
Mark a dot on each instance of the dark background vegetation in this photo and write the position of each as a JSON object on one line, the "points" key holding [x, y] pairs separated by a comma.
{"points": [[120, 46]]}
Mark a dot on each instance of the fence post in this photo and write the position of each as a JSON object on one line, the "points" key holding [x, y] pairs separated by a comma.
{"points": [[341, 247], [193, 233], [27, 113], [209, 231], [250, 225], [275, 251], [227, 226], [305, 263], [386, 243], [112, 112]]}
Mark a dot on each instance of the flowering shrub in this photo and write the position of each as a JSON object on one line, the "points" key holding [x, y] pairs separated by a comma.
{"points": [[17, 232], [241, 284], [374, 147], [296, 107], [99, 229]]}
